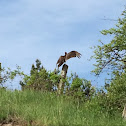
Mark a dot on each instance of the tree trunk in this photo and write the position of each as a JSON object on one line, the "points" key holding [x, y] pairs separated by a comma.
{"points": [[63, 76], [124, 113]]}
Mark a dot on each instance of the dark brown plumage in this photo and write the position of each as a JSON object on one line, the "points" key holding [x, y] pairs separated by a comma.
{"points": [[67, 56]]}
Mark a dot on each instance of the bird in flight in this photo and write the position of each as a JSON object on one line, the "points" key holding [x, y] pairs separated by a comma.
{"points": [[63, 59]]}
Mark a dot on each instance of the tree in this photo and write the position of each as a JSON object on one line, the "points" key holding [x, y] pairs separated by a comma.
{"points": [[112, 55], [40, 78], [8, 74], [80, 88]]}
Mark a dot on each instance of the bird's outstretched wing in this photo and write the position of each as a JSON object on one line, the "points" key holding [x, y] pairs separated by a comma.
{"points": [[72, 54], [60, 61]]}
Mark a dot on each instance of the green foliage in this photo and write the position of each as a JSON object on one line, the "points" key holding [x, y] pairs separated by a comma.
{"points": [[48, 109], [116, 91], [8, 74], [40, 78], [81, 88], [55, 78], [77, 83], [113, 54], [113, 98], [80, 99]]}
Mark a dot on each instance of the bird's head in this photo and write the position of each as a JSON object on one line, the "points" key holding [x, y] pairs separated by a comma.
{"points": [[65, 53]]}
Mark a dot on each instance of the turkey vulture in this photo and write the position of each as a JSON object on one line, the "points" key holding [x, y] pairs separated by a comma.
{"points": [[67, 56]]}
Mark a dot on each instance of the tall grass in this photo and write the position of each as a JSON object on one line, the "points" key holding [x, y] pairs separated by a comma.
{"points": [[48, 109]]}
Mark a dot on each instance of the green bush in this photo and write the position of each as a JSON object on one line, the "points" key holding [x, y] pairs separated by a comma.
{"points": [[40, 78]]}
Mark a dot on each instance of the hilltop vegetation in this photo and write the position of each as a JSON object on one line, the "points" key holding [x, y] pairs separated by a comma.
{"points": [[36, 108], [80, 103]]}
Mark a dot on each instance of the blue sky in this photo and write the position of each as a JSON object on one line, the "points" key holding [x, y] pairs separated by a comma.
{"points": [[31, 29]]}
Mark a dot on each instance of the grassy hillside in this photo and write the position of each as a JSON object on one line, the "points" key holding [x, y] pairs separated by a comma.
{"points": [[47, 109]]}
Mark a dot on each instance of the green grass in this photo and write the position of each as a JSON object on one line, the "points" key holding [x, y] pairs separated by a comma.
{"points": [[47, 109]]}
